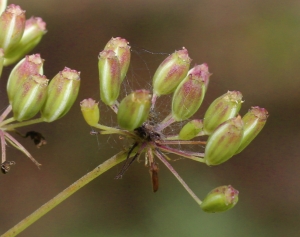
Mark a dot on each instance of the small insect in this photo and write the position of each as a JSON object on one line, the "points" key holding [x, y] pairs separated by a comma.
{"points": [[146, 139], [37, 138], [154, 176], [5, 166]]}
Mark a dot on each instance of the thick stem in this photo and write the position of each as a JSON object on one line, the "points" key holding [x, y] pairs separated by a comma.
{"points": [[116, 159]]}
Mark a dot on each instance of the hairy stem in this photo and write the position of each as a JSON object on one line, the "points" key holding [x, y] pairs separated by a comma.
{"points": [[116, 159]]}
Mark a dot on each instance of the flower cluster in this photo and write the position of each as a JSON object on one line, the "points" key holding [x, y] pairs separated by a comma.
{"points": [[228, 133], [18, 36], [28, 90]]}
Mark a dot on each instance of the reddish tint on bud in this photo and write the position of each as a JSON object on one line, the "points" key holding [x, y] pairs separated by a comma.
{"points": [[223, 143], [134, 110], [221, 109], [254, 121], [62, 93], [122, 50], [191, 129], [109, 76], [171, 72], [220, 199], [190, 93], [30, 65], [30, 97], [35, 28], [12, 24], [90, 111]]}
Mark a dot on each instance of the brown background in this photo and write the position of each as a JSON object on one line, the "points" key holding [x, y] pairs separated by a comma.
{"points": [[250, 46]]}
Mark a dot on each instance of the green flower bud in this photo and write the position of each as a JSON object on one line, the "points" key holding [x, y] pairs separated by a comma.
{"points": [[3, 4], [28, 66], [254, 121], [109, 76], [90, 111], [220, 199], [1, 61], [134, 110], [223, 108], [223, 143], [190, 93], [30, 97], [62, 92], [191, 129], [12, 24], [122, 50], [171, 72], [35, 28]]}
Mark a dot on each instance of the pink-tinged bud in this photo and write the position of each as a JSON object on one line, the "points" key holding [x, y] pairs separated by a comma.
{"points": [[109, 76], [221, 109], [220, 199], [90, 111], [12, 25], [223, 143], [171, 72], [30, 97], [122, 50], [3, 4], [62, 93], [30, 65], [35, 28], [254, 121], [134, 110], [189, 94], [191, 129], [1, 60]]}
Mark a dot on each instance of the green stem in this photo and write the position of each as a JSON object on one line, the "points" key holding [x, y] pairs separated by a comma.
{"points": [[6, 121], [22, 124], [116, 159], [110, 130]]}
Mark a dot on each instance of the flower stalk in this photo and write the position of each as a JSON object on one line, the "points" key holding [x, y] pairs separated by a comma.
{"points": [[134, 115], [105, 166], [228, 134]]}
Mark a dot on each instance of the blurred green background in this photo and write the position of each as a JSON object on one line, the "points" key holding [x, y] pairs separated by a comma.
{"points": [[251, 46]]}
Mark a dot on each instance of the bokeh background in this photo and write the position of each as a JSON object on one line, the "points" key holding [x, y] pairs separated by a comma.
{"points": [[251, 46]]}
